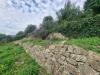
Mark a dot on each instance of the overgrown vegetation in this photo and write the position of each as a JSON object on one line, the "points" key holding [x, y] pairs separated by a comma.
{"points": [[82, 27], [94, 5], [87, 27], [14, 61], [71, 21], [92, 44]]}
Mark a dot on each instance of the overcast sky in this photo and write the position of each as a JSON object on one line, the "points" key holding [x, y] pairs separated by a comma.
{"points": [[15, 15]]}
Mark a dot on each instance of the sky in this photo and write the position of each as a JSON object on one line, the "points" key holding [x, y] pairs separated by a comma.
{"points": [[15, 15]]}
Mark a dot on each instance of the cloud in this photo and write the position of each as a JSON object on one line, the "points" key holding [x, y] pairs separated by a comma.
{"points": [[15, 15]]}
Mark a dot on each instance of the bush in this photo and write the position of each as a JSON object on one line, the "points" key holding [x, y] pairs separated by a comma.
{"points": [[87, 27], [94, 5], [19, 35], [29, 29]]}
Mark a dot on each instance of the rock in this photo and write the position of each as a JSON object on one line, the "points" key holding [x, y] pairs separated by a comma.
{"points": [[56, 36], [52, 47], [61, 68], [73, 56], [81, 58], [47, 51], [70, 49], [80, 51], [62, 58], [72, 70], [93, 56], [95, 65], [85, 69], [66, 54], [65, 73], [71, 61], [65, 59], [60, 61]]}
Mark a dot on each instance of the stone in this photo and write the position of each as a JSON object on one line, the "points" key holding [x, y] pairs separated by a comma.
{"points": [[72, 70], [70, 49], [71, 61], [52, 47], [93, 56], [95, 65], [73, 56], [61, 68], [81, 58], [62, 58], [60, 61], [65, 73], [66, 54], [47, 51], [85, 69], [54, 36], [65, 59], [80, 51]]}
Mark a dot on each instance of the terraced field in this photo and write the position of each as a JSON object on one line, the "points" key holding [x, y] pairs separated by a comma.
{"points": [[14, 61]]}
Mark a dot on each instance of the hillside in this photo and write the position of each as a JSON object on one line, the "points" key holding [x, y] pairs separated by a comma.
{"points": [[62, 37], [62, 59], [15, 61]]}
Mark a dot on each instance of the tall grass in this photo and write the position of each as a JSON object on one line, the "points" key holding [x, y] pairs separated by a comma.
{"points": [[14, 61], [92, 43]]}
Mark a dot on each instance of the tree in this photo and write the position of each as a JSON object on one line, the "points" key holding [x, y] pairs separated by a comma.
{"points": [[94, 5], [48, 26], [69, 12], [20, 35], [29, 29], [5, 38], [2, 36], [47, 23]]}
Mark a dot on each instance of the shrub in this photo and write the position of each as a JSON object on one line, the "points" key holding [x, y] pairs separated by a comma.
{"points": [[87, 27]]}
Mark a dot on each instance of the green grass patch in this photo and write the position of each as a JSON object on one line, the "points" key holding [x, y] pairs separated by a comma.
{"points": [[40, 41], [14, 61], [92, 43]]}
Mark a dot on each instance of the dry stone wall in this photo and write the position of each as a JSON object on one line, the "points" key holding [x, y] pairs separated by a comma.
{"points": [[65, 59]]}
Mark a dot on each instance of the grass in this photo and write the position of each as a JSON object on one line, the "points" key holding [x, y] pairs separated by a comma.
{"points": [[14, 61], [40, 41], [92, 43]]}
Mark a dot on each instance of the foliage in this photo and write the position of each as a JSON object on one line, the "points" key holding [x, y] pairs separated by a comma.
{"points": [[71, 21], [29, 29], [94, 5], [20, 35], [14, 61], [92, 44], [87, 14], [69, 12], [5, 38], [86, 27], [48, 26], [2, 36]]}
